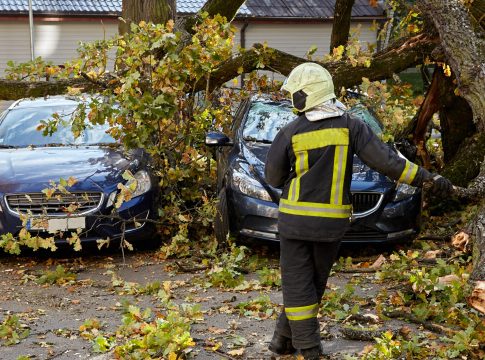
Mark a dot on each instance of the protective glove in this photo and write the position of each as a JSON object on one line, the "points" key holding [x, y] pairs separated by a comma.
{"points": [[441, 186]]}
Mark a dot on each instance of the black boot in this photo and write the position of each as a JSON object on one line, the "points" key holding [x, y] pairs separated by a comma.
{"points": [[281, 345], [311, 353]]}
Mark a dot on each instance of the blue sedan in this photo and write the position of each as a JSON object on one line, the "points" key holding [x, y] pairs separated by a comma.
{"points": [[29, 161]]}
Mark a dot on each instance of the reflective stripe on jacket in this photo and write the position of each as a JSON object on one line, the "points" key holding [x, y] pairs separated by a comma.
{"points": [[312, 162]]}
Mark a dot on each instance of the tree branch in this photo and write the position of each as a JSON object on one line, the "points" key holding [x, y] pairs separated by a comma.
{"points": [[13, 90], [396, 58], [464, 49]]}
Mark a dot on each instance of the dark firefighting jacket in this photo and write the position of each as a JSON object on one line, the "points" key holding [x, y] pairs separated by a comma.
{"points": [[312, 162]]}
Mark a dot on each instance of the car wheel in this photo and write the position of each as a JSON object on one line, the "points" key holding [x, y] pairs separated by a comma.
{"points": [[221, 222]]}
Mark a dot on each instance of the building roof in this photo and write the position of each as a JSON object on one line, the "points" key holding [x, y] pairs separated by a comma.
{"points": [[312, 9], [64, 7]]}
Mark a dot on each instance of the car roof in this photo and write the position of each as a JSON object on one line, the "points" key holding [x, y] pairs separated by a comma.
{"points": [[49, 101]]}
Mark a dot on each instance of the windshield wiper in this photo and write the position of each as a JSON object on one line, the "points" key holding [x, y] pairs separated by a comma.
{"points": [[264, 141], [109, 144], [58, 144]]}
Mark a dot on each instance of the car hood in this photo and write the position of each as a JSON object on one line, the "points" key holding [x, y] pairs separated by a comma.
{"points": [[363, 177], [26, 168]]}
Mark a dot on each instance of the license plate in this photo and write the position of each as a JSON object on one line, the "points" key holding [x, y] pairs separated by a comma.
{"points": [[54, 225]]}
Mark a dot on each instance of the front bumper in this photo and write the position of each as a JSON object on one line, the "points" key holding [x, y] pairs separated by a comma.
{"points": [[100, 224], [392, 222]]}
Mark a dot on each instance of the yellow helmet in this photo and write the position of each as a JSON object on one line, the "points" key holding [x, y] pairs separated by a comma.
{"points": [[309, 85]]}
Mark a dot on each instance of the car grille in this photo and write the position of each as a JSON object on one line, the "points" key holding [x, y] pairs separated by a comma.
{"points": [[38, 204], [362, 202]]}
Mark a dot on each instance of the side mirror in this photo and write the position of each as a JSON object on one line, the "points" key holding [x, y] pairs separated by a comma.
{"points": [[215, 138]]}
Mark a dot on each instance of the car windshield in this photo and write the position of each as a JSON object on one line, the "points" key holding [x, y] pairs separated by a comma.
{"points": [[266, 118], [19, 128], [362, 113]]}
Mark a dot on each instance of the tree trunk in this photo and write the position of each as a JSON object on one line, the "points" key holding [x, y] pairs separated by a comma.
{"points": [[463, 48], [456, 118], [225, 8], [341, 23], [465, 166], [156, 11], [477, 228]]}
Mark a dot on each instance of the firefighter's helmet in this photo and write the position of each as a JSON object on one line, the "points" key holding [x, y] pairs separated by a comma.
{"points": [[309, 85]]}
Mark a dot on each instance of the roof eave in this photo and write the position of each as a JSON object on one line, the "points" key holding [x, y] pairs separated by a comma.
{"points": [[60, 14], [302, 19]]}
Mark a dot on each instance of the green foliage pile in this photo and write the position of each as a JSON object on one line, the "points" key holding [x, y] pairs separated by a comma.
{"points": [[59, 276], [12, 331], [435, 295]]}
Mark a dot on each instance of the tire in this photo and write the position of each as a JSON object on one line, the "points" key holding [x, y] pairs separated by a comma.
{"points": [[221, 221]]}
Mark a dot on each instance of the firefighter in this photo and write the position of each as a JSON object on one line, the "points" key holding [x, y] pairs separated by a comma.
{"points": [[311, 160]]}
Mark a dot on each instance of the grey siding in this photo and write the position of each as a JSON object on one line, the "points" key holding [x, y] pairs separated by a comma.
{"points": [[54, 41]]}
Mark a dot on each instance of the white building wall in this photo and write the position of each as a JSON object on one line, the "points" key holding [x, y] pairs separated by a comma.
{"points": [[298, 38], [53, 40]]}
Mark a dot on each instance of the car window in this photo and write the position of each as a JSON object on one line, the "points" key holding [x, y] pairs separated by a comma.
{"points": [[19, 128], [361, 112], [265, 119]]}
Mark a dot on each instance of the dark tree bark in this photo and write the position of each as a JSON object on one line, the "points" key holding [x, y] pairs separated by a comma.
{"points": [[465, 165], [341, 23], [156, 11], [225, 8], [456, 118], [478, 247], [419, 125], [463, 48], [14, 90], [397, 57], [455, 114], [476, 228]]}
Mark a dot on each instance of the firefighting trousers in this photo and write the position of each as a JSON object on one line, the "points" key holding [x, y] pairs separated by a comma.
{"points": [[305, 267]]}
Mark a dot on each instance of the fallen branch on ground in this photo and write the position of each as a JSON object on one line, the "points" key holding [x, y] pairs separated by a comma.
{"points": [[363, 334], [428, 325]]}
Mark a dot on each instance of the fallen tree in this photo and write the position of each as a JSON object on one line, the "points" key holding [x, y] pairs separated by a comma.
{"points": [[452, 35]]}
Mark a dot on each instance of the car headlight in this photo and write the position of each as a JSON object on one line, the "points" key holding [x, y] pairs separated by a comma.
{"points": [[249, 186], [403, 191], [143, 183]]}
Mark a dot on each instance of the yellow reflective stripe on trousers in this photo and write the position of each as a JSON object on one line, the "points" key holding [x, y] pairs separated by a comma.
{"points": [[320, 138], [302, 312], [409, 172], [339, 165], [314, 209]]}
